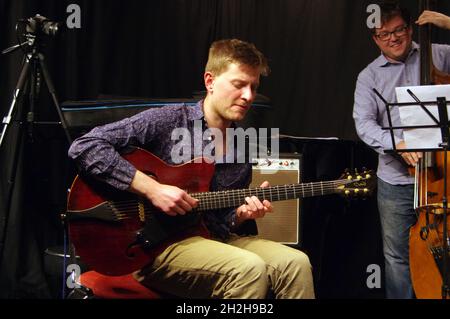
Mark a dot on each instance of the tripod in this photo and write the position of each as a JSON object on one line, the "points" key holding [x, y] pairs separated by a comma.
{"points": [[33, 69]]}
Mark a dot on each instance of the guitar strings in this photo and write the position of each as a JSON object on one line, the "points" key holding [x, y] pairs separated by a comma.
{"points": [[222, 199], [226, 195], [291, 189]]}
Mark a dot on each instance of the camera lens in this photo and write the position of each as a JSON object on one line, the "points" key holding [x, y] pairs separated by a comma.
{"points": [[39, 23], [50, 27]]}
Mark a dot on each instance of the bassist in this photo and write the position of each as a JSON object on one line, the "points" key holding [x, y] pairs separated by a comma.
{"points": [[398, 65]]}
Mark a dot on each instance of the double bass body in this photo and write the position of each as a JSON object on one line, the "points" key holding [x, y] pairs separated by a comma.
{"points": [[427, 235]]}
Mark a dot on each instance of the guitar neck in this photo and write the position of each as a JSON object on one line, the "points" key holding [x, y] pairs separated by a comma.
{"points": [[235, 198]]}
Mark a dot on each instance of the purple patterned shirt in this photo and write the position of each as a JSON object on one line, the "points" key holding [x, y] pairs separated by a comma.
{"points": [[97, 154]]}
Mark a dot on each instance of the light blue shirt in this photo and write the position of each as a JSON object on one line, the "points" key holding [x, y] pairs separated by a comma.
{"points": [[369, 111]]}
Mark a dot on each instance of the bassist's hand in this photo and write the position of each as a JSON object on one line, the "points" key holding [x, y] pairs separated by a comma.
{"points": [[169, 199], [411, 158], [438, 19]]}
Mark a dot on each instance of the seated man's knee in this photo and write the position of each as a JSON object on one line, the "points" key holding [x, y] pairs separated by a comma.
{"points": [[294, 262], [254, 266], [301, 259], [249, 278]]}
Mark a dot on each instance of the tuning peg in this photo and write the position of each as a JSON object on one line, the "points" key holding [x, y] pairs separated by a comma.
{"points": [[356, 190], [346, 173], [359, 177], [350, 177], [347, 192], [368, 176], [366, 190]]}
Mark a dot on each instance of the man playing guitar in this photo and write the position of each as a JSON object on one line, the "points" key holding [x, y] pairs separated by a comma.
{"points": [[232, 263]]}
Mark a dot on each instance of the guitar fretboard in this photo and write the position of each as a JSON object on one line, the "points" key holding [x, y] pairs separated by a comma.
{"points": [[234, 198]]}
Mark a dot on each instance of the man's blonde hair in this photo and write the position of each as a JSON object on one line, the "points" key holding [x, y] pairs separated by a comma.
{"points": [[224, 52]]}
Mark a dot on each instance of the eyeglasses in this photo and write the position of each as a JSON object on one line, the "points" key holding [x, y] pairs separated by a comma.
{"points": [[399, 32]]}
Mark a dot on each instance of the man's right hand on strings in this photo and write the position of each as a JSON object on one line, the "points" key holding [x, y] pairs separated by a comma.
{"points": [[169, 199], [411, 158]]}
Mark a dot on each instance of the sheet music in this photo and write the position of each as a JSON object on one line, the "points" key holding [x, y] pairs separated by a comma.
{"points": [[414, 115]]}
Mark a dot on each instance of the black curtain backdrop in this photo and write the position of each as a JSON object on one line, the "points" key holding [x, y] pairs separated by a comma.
{"points": [[158, 49]]}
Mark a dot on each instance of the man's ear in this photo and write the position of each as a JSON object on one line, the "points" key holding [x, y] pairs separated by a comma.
{"points": [[209, 81], [375, 39]]}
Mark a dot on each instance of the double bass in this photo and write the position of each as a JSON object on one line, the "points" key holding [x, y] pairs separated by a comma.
{"points": [[427, 235]]}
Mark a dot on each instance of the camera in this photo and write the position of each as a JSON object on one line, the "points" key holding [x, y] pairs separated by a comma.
{"points": [[40, 24]]}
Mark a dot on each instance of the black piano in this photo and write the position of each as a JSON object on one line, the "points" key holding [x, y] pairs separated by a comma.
{"points": [[81, 116]]}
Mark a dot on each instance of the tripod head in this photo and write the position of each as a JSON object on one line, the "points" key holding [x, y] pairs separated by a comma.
{"points": [[40, 24], [35, 27]]}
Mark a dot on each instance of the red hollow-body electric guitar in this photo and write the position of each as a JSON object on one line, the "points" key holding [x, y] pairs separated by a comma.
{"points": [[117, 232]]}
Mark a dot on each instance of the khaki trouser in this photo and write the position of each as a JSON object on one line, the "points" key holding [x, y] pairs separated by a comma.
{"points": [[244, 267]]}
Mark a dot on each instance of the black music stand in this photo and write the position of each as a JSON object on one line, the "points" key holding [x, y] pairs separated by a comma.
{"points": [[443, 124]]}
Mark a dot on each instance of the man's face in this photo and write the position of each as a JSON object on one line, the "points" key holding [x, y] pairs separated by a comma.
{"points": [[232, 93], [397, 45]]}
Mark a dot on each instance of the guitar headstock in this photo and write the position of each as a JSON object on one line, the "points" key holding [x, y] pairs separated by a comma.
{"points": [[357, 184]]}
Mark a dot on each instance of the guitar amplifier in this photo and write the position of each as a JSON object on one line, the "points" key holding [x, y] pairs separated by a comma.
{"points": [[284, 224]]}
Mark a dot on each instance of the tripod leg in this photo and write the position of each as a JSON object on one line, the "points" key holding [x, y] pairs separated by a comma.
{"points": [[16, 94], [52, 91], [15, 158], [10, 192]]}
